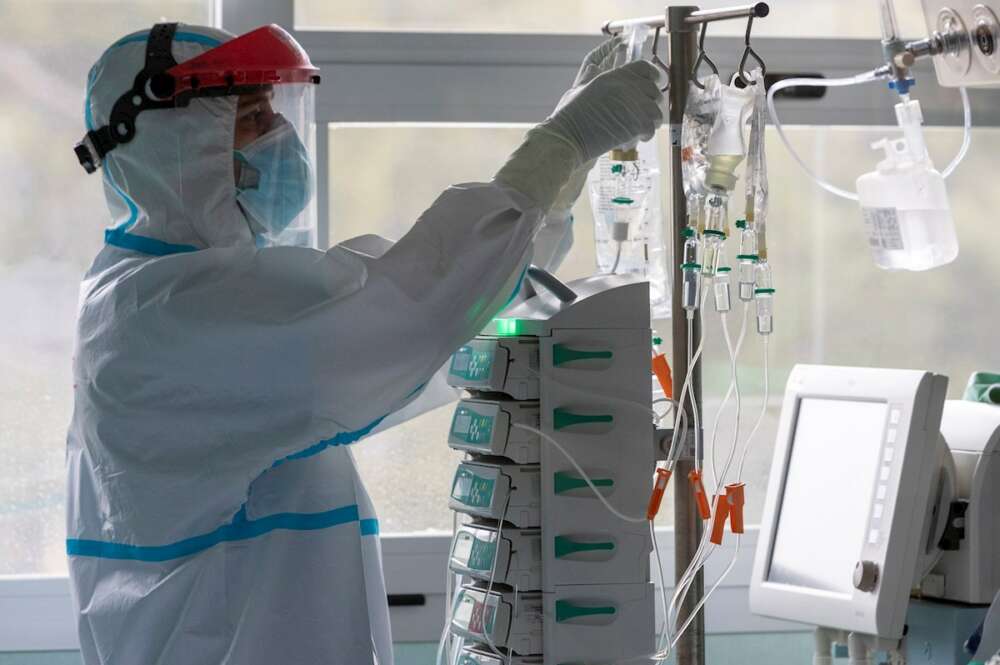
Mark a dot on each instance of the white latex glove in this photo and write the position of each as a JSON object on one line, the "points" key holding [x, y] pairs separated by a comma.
{"points": [[600, 60], [555, 237], [615, 108]]}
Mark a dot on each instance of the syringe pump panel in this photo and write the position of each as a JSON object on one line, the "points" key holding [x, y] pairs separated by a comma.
{"points": [[502, 365], [846, 501], [498, 491], [485, 426], [511, 556]]}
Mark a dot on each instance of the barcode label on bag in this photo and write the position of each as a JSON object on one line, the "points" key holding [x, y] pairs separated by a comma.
{"points": [[882, 226]]}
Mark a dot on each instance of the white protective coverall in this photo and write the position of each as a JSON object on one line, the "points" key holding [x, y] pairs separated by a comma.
{"points": [[215, 514]]}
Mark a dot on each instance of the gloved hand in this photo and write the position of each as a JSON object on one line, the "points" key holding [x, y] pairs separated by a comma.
{"points": [[555, 237], [615, 108], [600, 60]]}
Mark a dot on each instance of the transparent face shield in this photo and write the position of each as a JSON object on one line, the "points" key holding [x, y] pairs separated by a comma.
{"points": [[274, 164]]}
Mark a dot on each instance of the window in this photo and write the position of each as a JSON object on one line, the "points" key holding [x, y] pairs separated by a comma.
{"points": [[52, 227], [827, 18]]}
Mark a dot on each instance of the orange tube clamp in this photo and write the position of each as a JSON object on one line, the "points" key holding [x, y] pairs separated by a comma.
{"points": [[719, 523], [734, 500], [661, 368], [659, 487], [699, 494]]}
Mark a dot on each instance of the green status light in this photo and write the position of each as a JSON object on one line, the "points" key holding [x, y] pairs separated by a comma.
{"points": [[509, 327]]}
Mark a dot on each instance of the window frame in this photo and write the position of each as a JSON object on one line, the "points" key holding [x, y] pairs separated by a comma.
{"points": [[490, 78]]}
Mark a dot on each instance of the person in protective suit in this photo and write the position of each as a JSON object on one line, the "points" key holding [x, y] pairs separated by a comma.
{"points": [[222, 364]]}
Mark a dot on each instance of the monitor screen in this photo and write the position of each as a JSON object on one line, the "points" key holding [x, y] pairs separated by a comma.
{"points": [[827, 494]]}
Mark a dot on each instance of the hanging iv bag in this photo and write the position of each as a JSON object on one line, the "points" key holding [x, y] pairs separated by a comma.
{"points": [[624, 189], [628, 220], [904, 203]]}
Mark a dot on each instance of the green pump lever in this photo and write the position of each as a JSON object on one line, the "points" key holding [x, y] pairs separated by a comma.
{"points": [[562, 418], [566, 611], [565, 354], [565, 546]]}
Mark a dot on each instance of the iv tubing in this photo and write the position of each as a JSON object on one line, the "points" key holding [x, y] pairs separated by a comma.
{"points": [[966, 134], [447, 627], [866, 77], [448, 593], [704, 599], [493, 573], [693, 569], [698, 453], [733, 386], [674, 452], [583, 474], [664, 635], [614, 511]]}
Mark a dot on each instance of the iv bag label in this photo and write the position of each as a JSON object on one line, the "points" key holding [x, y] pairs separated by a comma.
{"points": [[882, 227]]}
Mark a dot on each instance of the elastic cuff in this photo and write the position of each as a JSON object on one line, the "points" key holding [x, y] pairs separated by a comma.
{"points": [[540, 167]]}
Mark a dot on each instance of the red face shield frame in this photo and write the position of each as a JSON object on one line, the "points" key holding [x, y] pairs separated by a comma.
{"points": [[263, 57]]}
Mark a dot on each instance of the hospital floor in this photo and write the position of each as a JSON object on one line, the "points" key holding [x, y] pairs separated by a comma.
{"points": [[723, 649]]}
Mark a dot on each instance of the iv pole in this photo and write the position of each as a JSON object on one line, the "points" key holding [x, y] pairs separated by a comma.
{"points": [[682, 24]]}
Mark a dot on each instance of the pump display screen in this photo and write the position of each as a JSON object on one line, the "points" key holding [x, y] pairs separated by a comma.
{"points": [[475, 549], [475, 614], [473, 362], [822, 522], [474, 486], [469, 426]]}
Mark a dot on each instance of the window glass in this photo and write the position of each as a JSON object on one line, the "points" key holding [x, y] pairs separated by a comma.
{"points": [[382, 176], [52, 227], [832, 304], [827, 18]]}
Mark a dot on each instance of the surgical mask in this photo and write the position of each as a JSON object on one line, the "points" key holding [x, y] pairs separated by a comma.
{"points": [[275, 180]]}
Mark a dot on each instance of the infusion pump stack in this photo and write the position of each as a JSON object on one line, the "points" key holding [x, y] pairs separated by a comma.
{"points": [[881, 523]]}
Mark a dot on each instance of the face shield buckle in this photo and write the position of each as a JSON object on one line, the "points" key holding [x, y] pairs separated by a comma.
{"points": [[87, 156], [91, 149]]}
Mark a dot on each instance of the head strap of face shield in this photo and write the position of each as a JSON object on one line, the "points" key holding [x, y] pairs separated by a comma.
{"points": [[152, 89]]}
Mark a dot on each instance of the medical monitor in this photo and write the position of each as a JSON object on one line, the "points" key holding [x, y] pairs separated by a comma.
{"points": [[846, 500]]}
